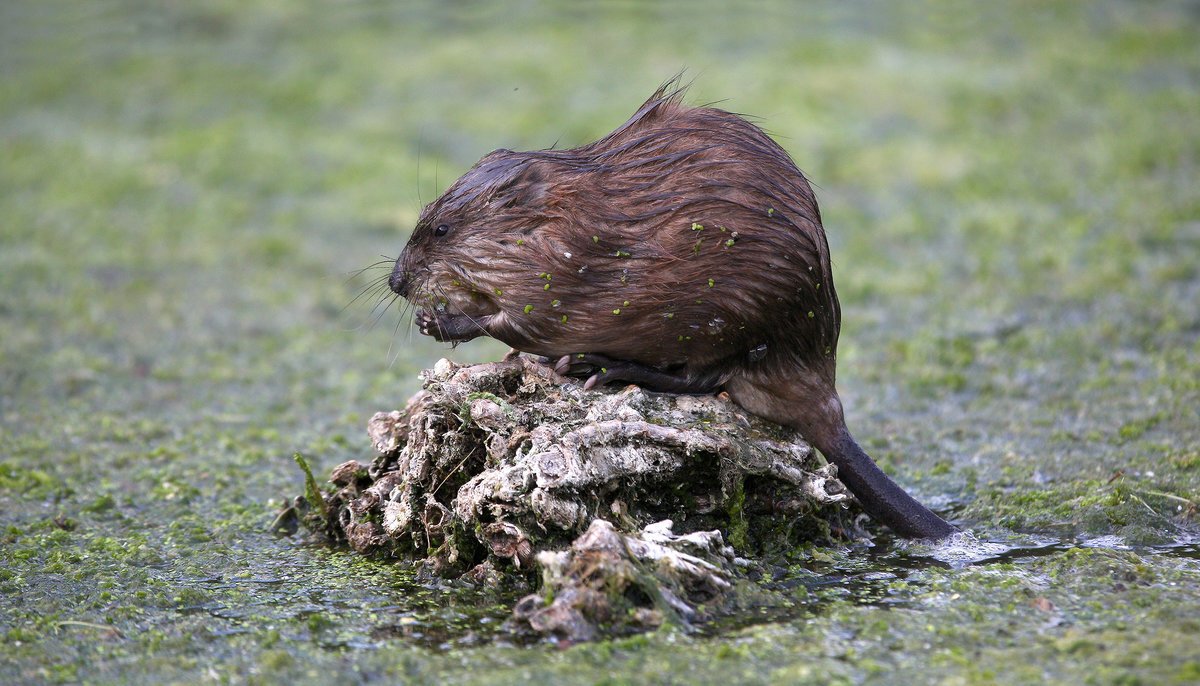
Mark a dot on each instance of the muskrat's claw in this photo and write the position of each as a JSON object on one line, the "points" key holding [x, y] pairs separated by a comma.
{"points": [[597, 369], [425, 322], [449, 328], [581, 364], [429, 324]]}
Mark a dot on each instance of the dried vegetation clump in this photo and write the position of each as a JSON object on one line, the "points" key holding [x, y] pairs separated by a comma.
{"points": [[508, 466]]}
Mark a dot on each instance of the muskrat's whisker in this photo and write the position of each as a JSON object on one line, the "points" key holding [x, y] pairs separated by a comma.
{"points": [[384, 295], [407, 314], [396, 329], [379, 293], [370, 291], [385, 262], [420, 137], [378, 312]]}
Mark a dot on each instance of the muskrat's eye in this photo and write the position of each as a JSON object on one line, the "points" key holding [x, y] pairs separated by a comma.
{"points": [[441, 230]]}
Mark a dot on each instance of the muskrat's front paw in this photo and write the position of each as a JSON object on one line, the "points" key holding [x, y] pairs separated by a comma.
{"points": [[450, 328], [436, 324], [426, 323]]}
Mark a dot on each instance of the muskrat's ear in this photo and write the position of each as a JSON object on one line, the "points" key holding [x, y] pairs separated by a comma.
{"points": [[527, 186]]}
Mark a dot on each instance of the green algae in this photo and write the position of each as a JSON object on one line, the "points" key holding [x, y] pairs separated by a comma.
{"points": [[738, 524], [312, 492], [1011, 199]]}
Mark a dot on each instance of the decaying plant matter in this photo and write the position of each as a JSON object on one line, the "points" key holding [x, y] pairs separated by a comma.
{"points": [[509, 465]]}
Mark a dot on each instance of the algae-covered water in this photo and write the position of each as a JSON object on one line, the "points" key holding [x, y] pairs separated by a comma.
{"points": [[1012, 196]]}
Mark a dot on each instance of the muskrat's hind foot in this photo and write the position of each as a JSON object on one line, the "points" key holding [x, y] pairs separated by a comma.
{"points": [[597, 369], [601, 370], [450, 328]]}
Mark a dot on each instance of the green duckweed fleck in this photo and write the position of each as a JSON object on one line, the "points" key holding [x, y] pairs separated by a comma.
{"points": [[528, 309], [617, 311]]}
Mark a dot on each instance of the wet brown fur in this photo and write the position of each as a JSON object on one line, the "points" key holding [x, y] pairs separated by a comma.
{"points": [[686, 240]]}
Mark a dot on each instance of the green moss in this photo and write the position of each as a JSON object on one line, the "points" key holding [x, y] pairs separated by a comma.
{"points": [[101, 503], [738, 524], [1188, 461], [312, 492]]}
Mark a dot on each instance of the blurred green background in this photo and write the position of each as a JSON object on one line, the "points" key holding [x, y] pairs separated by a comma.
{"points": [[1012, 197]]}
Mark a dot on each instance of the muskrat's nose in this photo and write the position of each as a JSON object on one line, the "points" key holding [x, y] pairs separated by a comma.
{"points": [[398, 281]]}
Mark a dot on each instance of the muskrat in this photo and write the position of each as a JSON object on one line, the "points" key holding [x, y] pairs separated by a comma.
{"points": [[683, 252]]}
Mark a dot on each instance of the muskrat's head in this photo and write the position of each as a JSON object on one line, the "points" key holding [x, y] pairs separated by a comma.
{"points": [[460, 254]]}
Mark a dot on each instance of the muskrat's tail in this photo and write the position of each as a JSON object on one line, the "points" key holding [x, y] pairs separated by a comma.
{"points": [[879, 496], [809, 403]]}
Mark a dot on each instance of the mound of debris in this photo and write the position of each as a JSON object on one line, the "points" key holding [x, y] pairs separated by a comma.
{"points": [[625, 501]]}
